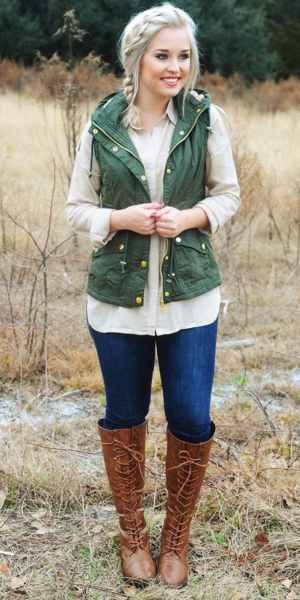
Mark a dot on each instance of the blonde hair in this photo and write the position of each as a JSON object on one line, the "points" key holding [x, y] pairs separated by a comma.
{"points": [[134, 41]]}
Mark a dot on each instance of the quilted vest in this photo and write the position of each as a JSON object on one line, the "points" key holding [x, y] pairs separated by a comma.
{"points": [[118, 271]]}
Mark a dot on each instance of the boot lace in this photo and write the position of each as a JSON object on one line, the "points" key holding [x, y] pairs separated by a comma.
{"points": [[128, 460], [180, 509]]}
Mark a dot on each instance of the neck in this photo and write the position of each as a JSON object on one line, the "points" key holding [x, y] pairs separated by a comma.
{"points": [[151, 104]]}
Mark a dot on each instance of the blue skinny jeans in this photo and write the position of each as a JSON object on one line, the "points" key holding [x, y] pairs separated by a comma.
{"points": [[186, 362]]}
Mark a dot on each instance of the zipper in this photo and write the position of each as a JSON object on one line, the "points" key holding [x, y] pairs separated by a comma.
{"points": [[114, 141], [188, 133], [162, 303]]}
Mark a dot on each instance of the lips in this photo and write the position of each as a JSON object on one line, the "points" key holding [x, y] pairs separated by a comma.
{"points": [[170, 80]]}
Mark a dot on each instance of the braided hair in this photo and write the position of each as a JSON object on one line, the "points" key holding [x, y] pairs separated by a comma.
{"points": [[134, 41]]}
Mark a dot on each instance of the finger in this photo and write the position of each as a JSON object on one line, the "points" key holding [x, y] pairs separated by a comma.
{"points": [[164, 223], [151, 205], [163, 230], [164, 210]]}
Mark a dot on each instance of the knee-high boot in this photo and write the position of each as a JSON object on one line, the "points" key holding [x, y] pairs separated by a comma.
{"points": [[185, 468], [124, 457]]}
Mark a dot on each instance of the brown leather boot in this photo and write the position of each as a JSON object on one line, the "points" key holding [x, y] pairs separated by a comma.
{"points": [[124, 457], [185, 468]]}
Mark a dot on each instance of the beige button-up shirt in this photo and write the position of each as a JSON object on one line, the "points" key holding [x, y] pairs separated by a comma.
{"points": [[221, 202]]}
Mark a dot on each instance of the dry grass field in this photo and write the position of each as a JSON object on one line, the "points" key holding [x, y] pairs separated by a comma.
{"points": [[57, 525]]}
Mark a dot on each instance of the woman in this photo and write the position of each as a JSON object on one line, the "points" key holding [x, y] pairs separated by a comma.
{"points": [[153, 178]]}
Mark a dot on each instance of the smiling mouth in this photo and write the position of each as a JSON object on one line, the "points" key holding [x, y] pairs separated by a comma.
{"points": [[171, 79]]}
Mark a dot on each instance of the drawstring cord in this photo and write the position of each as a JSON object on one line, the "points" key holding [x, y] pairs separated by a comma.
{"points": [[91, 158], [171, 271], [123, 262]]}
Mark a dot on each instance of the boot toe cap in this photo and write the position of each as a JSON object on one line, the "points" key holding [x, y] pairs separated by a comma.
{"points": [[140, 566], [172, 570]]}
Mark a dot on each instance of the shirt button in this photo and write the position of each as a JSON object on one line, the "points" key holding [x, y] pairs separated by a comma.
{"points": [[115, 148], [167, 294], [95, 131], [203, 246], [121, 247], [169, 171], [143, 177], [138, 300], [166, 258], [143, 264], [181, 132], [178, 240]]}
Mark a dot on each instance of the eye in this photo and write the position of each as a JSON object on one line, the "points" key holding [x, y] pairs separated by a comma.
{"points": [[163, 56]]}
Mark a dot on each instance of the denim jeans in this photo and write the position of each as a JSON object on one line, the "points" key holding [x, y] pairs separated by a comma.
{"points": [[186, 362]]}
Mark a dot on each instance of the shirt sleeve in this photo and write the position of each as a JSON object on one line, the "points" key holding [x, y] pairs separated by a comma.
{"points": [[222, 188], [83, 210]]}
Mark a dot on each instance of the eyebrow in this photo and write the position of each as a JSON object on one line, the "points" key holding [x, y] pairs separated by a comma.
{"points": [[166, 50]]}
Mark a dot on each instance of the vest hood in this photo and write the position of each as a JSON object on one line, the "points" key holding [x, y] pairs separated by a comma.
{"points": [[110, 109]]}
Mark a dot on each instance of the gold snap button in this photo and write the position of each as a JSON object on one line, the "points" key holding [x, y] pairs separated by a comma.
{"points": [[166, 258], [115, 148], [143, 263], [95, 131], [198, 110], [138, 300], [178, 240], [121, 247], [167, 294]]}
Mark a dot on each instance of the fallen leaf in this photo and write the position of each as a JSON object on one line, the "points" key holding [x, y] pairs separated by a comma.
{"points": [[17, 582], [4, 567], [36, 524], [129, 590], [39, 514], [44, 531], [261, 538]]}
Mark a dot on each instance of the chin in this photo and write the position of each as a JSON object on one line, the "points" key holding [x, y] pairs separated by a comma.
{"points": [[172, 91]]}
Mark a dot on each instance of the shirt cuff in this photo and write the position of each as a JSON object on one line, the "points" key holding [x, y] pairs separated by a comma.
{"points": [[213, 223], [100, 233]]}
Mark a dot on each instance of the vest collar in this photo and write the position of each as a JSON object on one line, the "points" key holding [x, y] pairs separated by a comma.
{"points": [[108, 116]]}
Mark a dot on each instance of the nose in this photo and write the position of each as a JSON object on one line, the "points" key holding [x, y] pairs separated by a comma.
{"points": [[173, 66]]}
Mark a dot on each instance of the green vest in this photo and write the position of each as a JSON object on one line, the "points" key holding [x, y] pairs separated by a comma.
{"points": [[118, 271]]}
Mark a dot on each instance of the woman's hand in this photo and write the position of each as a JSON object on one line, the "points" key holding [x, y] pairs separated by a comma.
{"points": [[152, 217], [138, 218], [169, 221]]}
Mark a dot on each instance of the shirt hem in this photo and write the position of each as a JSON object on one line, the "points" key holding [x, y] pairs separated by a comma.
{"points": [[157, 331]]}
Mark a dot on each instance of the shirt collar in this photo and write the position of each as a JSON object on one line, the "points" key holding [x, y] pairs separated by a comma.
{"points": [[170, 112]]}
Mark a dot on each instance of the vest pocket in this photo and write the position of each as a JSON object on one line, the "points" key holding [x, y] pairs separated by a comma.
{"points": [[193, 257], [105, 269]]}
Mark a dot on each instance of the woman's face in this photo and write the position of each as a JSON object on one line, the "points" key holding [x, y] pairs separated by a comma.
{"points": [[165, 66]]}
